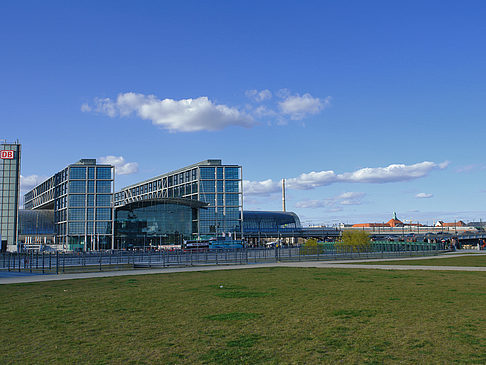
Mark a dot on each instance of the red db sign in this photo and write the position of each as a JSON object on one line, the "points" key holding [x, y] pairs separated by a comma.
{"points": [[7, 154]]}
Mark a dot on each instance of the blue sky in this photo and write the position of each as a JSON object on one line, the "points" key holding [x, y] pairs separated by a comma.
{"points": [[284, 88]]}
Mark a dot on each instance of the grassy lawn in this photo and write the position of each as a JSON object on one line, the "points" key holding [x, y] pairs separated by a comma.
{"points": [[468, 260], [271, 315]]}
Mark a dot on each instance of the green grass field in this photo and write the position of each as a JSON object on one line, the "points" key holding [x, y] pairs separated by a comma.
{"points": [[271, 315], [467, 260]]}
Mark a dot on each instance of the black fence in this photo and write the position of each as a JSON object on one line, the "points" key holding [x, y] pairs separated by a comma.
{"points": [[61, 262]]}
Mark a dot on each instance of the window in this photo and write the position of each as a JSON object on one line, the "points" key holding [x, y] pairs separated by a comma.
{"points": [[232, 173], [103, 214], [76, 200], [91, 172], [90, 200], [232, 199], [77, 186], [103, 200], [103, 227], [103, 186], [76, 227], [91, 186], [232, 186], [207, 186], [77, 173], [207, 173], [76, 214], [103, 173], [220, 173]]}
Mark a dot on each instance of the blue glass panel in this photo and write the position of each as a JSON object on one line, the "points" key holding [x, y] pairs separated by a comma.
{"points": [[76, 214], [103, 172], [77, 186], [232, 186], [207, 186], [232, 173], [103, 200], [77, 173], [206, 173], [103, 214], [76, 200], [103, 186]]}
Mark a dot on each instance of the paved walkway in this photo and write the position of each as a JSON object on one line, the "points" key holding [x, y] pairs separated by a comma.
{"points": [[348, 264]]}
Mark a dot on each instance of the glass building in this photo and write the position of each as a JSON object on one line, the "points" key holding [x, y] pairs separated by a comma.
{"points": [[150, 223], [9, 194], [270, 222], [81, 196], [210, 182], [36, 227]]}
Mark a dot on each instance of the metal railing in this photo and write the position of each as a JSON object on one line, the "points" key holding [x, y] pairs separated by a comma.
{"points": [[62, 262]]}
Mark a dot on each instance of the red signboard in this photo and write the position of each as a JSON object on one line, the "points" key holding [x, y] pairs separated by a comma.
{"points": [[7, 154]]}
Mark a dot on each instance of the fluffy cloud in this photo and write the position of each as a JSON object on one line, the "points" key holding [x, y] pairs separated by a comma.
{"points": [[121, 166], [298, 107], [259, 96], [375, 175], [424, 195], [185, 115], [27, 183], [335, 203], [265, 187]]}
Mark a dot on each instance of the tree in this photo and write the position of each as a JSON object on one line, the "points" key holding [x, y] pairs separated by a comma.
{"points": [[311, 242], [356, 239]]}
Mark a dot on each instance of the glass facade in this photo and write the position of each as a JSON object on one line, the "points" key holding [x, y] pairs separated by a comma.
{"points": [[9, 194], [270, 222], [153, 222], [210, 182], [81, 197]]}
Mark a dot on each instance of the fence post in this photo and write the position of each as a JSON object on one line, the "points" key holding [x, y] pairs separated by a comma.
{"points": [[101, 258], [43, 265], [57, 262], [63, 262], [150, 259]]}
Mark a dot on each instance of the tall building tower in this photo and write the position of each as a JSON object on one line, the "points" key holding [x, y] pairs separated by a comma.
{"points": [[80, 197], [9, 194]]}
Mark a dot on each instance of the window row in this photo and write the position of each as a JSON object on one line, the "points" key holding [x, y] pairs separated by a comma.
{"points": [[83, 186], [101, 200], [81, 173]]}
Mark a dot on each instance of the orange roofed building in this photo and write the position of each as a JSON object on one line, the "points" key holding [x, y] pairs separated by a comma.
{"points": [[394, 222]]}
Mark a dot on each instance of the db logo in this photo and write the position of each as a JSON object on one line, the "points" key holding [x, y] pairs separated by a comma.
{"points": [[7, 155]]}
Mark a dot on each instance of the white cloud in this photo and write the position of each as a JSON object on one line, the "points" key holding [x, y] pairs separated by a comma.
{"points": [[185, 115], [350, 198], [121, 166], [298, 107], [376, 175], [335, 203], [265, 187], [259, 96], [424, 195], [27, 183]]}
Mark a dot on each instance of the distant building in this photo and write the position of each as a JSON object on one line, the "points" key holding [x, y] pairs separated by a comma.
{"points": [[9, 194], [453, 224], [394, 222]]}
